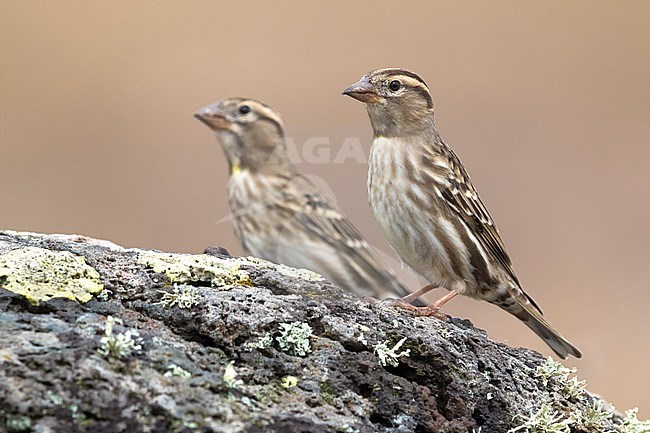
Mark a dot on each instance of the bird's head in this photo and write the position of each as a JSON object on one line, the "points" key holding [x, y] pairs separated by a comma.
{"points": [[251, 134], [398, 101]]}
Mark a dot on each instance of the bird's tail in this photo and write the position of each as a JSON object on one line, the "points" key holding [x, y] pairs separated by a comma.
{"points": [[528, 313]]}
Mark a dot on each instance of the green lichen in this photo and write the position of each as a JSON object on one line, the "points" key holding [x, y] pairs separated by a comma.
{"points": [[327, 392], [183, 295], [54, 398], [390, 355], [294, 338], [595, 417], [104, 295], [263, 342], [187, 268], [174, 370], [230, 376], [598, 416], [632, 424], [573, 388], [288, 382], [304, 274], [40, 275], [552, 372], [119, 345], [18, 424], [545, 420], [270, 394]]}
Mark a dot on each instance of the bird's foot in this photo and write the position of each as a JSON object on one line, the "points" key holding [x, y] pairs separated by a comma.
{"points": [[428, 311], [434, 309], [396, 303]]}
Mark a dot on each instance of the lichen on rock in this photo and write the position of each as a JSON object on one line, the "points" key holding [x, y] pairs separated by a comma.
{"points": [[187, 268], [288, 271], [224, 344], [40, 275]]}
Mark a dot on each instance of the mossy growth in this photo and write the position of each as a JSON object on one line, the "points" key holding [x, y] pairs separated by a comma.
{"points": [[187, 268], [40, 275], [327, 392]]}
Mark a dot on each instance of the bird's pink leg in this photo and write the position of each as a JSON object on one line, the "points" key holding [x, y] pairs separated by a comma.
{"points": [[418, 293], [405, 302], [432, 310]]}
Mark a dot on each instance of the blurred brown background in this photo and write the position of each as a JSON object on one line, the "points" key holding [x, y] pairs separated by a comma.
{"points": [[547, 103]]}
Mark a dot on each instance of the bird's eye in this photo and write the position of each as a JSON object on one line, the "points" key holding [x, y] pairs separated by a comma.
{"points": [[244, 109], [395, 85]]}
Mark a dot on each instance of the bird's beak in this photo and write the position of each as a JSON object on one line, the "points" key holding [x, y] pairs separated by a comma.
{"points": [[214, 117], [363, 91]]}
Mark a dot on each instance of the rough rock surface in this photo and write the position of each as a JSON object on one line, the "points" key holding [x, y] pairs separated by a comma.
{"points": [[209, 355]]}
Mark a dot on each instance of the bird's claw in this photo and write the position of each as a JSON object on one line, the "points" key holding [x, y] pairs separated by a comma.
{"points": [[428, 311], [397, 303], [431, 311]]}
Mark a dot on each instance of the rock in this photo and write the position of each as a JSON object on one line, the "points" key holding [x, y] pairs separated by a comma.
{"points": [[179, 343]]}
